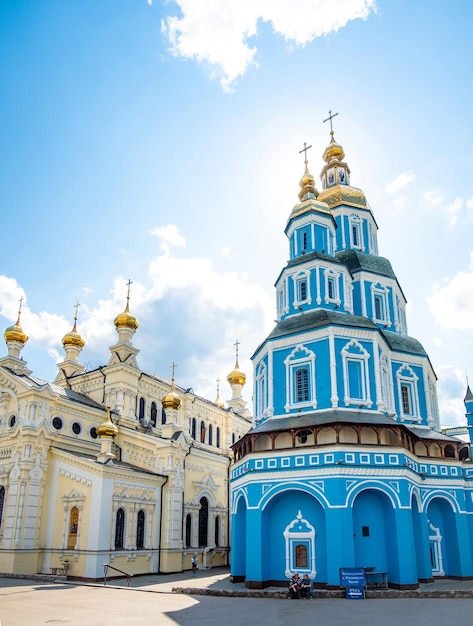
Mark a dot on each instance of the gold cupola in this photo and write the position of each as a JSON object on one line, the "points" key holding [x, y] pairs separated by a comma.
{"points": [[15, 333], [171, 401], [236, 376], [307, 182], [73, 339], [334, 151], [107, 429], [126, 319], [217, 401]]}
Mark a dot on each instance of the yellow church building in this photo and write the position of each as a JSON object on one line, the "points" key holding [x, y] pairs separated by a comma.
{"points": [[112, 466]]}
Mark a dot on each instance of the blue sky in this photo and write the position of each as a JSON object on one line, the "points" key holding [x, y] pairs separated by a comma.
{"points": [[159, 141]]}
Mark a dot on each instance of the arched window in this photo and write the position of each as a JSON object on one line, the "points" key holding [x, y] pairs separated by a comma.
{"points": [[202, 432], [188, 541], [210, 442], [73, 527], [2, 502], [194, 428], [217, 531], [217, 437], [153, 413], [301, 556], [141, 412], [140, 530], [302, 385], [203, 522], [163, 416], [119, 528]]}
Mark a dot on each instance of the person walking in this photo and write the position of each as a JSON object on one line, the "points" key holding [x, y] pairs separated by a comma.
{"points": [[194, 565]]}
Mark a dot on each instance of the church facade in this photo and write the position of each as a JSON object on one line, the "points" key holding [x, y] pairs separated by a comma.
{"points": [[112, 466], [346, 464]]}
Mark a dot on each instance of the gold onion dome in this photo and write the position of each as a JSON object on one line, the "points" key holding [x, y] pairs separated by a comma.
{"points": [[126, 319], [334, 151], [171, 400], [236, 376], [73, 338], [107, 428], [15, 333], [307, 185]]}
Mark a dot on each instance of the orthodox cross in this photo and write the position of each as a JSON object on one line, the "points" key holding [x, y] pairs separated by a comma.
{"points": [[19, 309], [76, 306], [173, 367], [129, 283], [304, 150], [218, 386], [236, 344], [330, 117]]}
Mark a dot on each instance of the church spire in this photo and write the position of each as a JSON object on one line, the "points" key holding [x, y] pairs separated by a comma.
{"points": [[73, 344], [307, 182], [336, 172]]}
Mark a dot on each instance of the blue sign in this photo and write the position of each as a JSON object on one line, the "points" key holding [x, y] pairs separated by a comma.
{"points": [[355, 593], [352, 577]]}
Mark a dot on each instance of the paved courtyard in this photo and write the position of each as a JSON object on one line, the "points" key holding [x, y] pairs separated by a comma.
{"points": [[151, 601]]}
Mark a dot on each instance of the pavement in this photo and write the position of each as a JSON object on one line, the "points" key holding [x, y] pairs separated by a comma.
{"points": [[216, 581]]}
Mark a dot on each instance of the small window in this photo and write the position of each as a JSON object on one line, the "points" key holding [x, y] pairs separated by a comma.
{"points": [[406, 399], [2, 503], [193, 428], [203, 522], [302, 385], [302, 290], [301, 556], [153, 413], [304, 241], [57, 423], [355, 235], [119, 528], [73, 528], [12, 421], [188, 530], [93, 432], [210, 442], [140, 530], [365, 531], [303, 436], [76, 428], [202, 432], [141, 413], [217, 531], [378, 308]]}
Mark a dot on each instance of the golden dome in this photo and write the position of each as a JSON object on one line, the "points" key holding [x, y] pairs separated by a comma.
{"points": [[307, 185], [171, 400], [107, 428], [334, 151], [73, 338], [236, 377], [15, 333], [126, 320]]}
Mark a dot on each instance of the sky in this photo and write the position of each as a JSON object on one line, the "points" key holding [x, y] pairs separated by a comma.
{"points": [[159, 141]]}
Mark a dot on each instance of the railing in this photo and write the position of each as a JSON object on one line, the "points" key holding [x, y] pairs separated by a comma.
{"points": [[106, 567]]}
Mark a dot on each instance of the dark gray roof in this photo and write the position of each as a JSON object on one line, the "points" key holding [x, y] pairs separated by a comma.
{"points": [[74, 396], [358, 261], [403, 343], [118, 464], [320, 418], [333, 416], [318, 319]]}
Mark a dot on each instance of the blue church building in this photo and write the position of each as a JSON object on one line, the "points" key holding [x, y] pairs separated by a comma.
{"points": [[346, 464]]}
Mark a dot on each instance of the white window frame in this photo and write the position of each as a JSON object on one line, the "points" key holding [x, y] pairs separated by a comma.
{"points": [[334, 278], [298, 279], [405, 376], [300, 357], [380, 293], [355, 352], [299, 531], [261, 390], [355, 222]]}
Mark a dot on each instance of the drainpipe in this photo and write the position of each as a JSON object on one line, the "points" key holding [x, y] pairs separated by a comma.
{"points": [[161, 525]]}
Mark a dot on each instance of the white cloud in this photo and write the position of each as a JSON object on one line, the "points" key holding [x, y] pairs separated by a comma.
{"points": [[451, 303], [434, 198], [218, 31], [453, 210], [170, 236], [400, 182]]}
